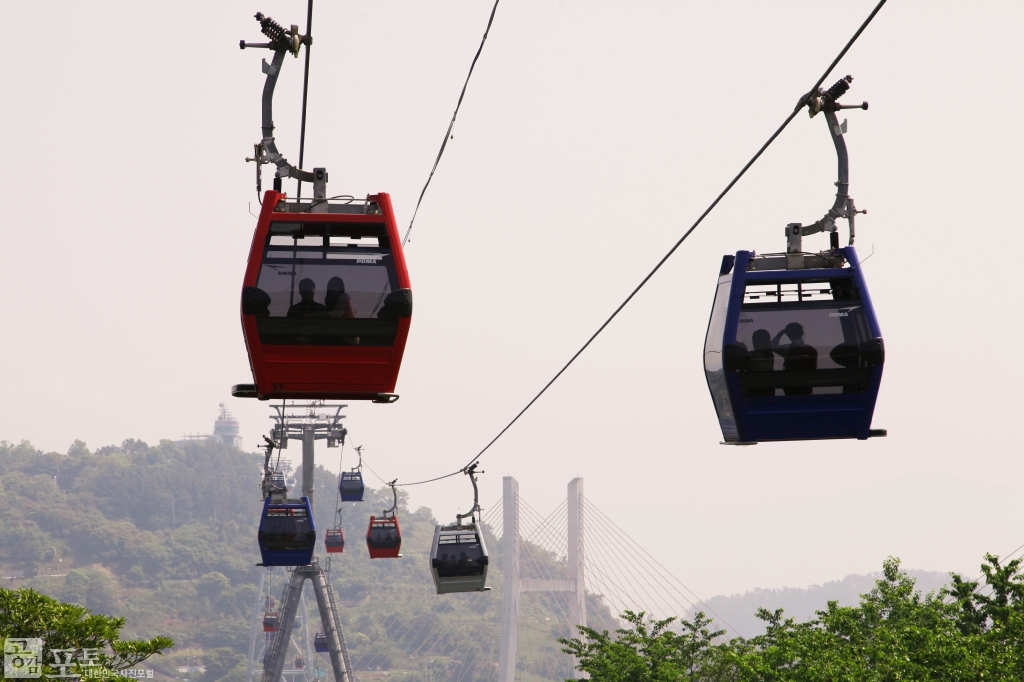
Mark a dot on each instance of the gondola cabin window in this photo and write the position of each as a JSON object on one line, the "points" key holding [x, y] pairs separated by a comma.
{"points": [[327, 284], [287, 528], [384, 535], [807, 334], [459, 554]]}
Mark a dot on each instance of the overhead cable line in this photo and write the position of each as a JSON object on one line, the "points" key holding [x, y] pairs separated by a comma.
{"points": [[305, 91], [448, 133], [799, 105]]}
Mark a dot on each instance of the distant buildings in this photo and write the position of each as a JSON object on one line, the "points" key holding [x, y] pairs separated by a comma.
{"points": [[225, 430]]}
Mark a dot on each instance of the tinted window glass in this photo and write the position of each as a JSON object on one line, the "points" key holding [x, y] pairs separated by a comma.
{"points": [[351, 482], [286, 528], [800, 329], [383, 536], [459, 554], [325, 289]]}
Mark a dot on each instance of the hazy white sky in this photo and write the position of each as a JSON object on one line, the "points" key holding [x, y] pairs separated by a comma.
{"points": [[592, 135]]}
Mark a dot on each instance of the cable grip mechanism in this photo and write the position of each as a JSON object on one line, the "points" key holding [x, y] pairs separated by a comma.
{"points": [[281, 41]]}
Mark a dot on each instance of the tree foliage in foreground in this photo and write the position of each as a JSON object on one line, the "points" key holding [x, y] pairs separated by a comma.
{"points": [[965, 632], [26, 613]]}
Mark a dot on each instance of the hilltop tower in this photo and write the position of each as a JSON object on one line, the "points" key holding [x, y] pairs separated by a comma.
{"points": [[225, 429]]}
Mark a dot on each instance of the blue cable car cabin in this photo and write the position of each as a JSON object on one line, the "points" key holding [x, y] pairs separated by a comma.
{"points": [[351, 486], [793, 354], [320, 643], [287, 534]]}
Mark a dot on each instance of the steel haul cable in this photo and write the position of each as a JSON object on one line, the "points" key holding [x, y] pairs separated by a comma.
{"points": [[448, 133], [800, 104], [305, 91]]}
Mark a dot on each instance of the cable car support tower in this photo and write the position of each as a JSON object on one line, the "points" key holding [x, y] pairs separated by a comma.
{"points": [[309, 422]]}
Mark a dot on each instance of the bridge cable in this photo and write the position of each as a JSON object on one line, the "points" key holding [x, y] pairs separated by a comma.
{"points": [[601, 517]]}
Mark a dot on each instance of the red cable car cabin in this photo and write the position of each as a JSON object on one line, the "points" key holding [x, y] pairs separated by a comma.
{"points": [[334, 541], [384, 537], [326, 302]]}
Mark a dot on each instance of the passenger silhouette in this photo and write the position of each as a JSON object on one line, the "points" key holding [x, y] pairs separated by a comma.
{"points": [[337, 302], [762, 359], [307, 307], [797, 356], [339, 306], [847, 355]]}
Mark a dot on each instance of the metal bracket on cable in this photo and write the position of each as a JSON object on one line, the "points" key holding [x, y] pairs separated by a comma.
{"points": [[394, 491], [282, 42], [826, 101]]}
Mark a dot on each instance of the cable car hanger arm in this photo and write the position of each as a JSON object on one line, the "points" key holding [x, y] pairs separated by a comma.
{"points": [[281, 42], [826, 101], [394, 506], [471, 472]]}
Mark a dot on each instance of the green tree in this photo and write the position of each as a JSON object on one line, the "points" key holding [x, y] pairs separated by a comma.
{"points": [[647, 652], [78, 449], [219, 662], [27, 613], [92, 588], [895, 633]]}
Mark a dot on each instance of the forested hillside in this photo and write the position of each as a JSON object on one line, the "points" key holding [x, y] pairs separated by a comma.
{"points": [[165, 535], [740, 610]]}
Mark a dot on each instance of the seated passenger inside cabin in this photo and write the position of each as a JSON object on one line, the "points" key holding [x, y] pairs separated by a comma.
{"points": [[762, 359], [463, 564], [384, 537], [337, 302], [797, 356], [339, 305], [307, 307]]}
